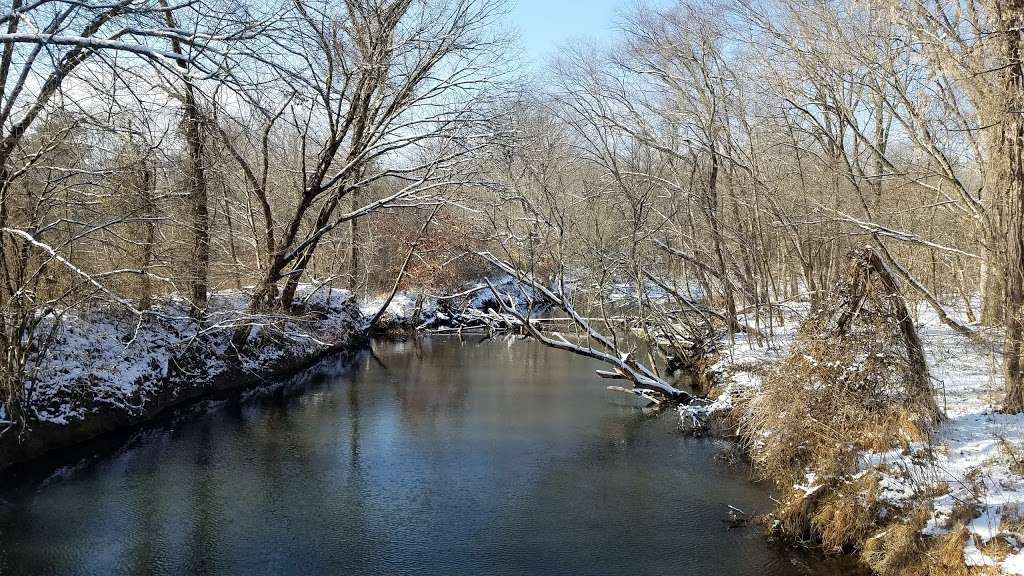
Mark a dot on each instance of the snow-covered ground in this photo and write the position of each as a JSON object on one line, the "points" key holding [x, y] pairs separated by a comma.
{"points": [[105, 357], [973, 468], [979, 453]]}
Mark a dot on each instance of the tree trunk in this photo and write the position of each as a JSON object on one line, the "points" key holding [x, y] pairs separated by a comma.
{"points": [[192, 126], [867, 263], [992, 285], [235, 266], [1011, 20], [353, 245], [200, 267], [716, 240], [149, 213]]}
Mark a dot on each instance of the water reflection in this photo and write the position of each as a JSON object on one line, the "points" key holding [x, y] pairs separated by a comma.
{"points": [[426, 457]]}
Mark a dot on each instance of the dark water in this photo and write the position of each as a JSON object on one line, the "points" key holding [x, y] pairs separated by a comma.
{"points": [[440, 458]]}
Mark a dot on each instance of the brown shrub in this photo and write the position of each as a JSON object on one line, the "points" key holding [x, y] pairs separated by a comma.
{"points": [[854, 381], [898, 548]]}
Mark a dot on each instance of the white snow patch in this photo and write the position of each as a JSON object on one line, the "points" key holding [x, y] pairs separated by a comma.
{"points": [[104, 356]]}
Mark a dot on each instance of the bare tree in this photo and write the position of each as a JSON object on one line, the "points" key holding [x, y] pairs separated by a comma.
{"points": [[192, 126], [53, 54], [396, 90]]}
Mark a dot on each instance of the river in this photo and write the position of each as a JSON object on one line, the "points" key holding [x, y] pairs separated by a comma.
{"points": [[431, 456]]}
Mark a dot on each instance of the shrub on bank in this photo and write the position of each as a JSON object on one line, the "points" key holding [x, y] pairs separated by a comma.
{"points": [[854, 382]]}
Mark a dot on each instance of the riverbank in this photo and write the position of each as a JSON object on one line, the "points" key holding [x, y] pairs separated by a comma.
{"points": [[473, 308], [947, 502], [957, 495], [108, 369], [951, 504]]}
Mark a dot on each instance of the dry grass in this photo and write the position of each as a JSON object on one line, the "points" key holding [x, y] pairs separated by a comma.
{"points": [[837, 517], [832, 398], [946, 555], [1014, 456], [854, 382], [845, 515], [1012, 521], [898, 549]]}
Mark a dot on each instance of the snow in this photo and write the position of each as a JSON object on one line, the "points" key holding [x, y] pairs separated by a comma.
{"points": [[444, 311], [973, 556], [1014, 564], [743, 362], [976, 446], [106, 357], [986, 526], [810, 485], [968, 463], [403, 305]]}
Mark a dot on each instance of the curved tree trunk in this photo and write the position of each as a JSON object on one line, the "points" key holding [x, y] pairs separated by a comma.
{"points": [[871, 263]]}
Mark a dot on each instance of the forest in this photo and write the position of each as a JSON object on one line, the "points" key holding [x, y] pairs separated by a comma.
{"points": [[816, 207]]}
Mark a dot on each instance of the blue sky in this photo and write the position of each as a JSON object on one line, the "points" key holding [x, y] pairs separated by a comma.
{"points": [[544, 25]]}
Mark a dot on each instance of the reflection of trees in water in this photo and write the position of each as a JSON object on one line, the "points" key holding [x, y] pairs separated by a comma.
{"points": [[623, 495], [429, 384], [205, 507], [503, 440], [354, 451], [162, 495], [176, 504], [441, 382]]}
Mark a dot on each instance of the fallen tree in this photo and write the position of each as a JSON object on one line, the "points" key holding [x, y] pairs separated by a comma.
{"points": [[645, 381]]}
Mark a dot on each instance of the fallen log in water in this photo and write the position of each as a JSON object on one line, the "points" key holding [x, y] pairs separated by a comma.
{"points": [[646, 381]]}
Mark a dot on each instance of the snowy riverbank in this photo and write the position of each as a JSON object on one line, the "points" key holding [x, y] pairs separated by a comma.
{"points": [[465, 309], [107, 368], [968, 479]]}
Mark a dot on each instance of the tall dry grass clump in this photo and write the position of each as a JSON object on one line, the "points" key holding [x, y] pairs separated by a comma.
{"points": [[855, 381]]}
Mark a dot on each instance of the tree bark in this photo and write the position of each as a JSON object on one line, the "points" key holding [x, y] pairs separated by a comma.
{"points": [[353, 245], [716, 239], [1011, 24], [992, 284], [149, 213], [867, 263], [192, 126]]}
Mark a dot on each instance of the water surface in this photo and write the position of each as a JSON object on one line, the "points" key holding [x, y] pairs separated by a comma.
{"points": [[434, 457]]}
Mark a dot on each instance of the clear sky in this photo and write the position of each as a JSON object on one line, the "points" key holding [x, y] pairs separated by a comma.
{"points": [[544, 25]]}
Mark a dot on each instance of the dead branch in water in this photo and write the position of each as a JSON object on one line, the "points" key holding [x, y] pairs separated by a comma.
{"points": [[643, 378]]}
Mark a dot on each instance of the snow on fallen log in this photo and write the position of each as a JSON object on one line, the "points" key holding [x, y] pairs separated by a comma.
{"points": [[644, 379]]}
